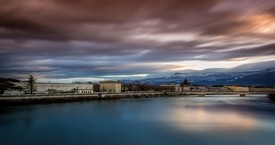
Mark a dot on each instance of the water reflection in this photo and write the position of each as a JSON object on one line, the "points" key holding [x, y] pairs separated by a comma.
{"points": [[211, 120], [207, 119]]}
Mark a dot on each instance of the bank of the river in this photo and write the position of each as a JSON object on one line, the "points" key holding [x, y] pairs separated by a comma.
{"points": [[38, 99], [44, 99]]}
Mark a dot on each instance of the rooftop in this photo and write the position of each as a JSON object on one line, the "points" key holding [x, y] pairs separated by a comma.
{"points": [[110, 81]]}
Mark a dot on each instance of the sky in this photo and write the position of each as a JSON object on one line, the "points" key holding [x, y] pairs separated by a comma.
{"points": [[92, 40]]}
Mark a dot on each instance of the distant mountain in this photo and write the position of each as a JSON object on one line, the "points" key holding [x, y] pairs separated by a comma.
{"points": [[254, 66], [264, 77]]}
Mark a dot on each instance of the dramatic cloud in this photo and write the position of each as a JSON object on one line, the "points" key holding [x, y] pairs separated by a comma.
{"points": [[103, 39]]}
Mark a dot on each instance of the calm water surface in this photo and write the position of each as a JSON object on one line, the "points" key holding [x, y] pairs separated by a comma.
{"points": [[210, 120]]}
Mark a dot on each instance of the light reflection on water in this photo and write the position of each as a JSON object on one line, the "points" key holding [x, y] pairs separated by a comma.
{"points": [[209, 120], [205, 119]]}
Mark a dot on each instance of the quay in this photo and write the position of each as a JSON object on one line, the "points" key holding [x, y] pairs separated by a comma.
{"points": [[59, 98], [201, 94]]}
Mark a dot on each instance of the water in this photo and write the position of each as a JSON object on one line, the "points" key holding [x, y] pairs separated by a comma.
{"points": [[210, 120]]}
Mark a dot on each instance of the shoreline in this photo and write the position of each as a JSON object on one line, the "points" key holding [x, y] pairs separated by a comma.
{"points": [[48, 99], [25, 100]]}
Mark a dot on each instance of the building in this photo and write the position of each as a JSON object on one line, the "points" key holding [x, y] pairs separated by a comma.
{"points": [[198, 88], [64, 88], [238, 88], [170, 87], [217, 88], [110, 86], [185, 86], [13, 92], [261, 89]]}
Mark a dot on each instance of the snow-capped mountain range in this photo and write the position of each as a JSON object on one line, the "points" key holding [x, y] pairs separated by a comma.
{"points": [[265, 77]]}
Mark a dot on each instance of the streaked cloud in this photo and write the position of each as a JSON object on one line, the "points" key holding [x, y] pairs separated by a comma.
{"points": [[74, 40]]}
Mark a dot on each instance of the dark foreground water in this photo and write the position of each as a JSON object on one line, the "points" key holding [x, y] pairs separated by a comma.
{"points": [[211, 120]]}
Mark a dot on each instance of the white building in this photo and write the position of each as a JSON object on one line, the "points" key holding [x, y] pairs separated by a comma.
{"points": [[64, 88], [13, 92]]}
